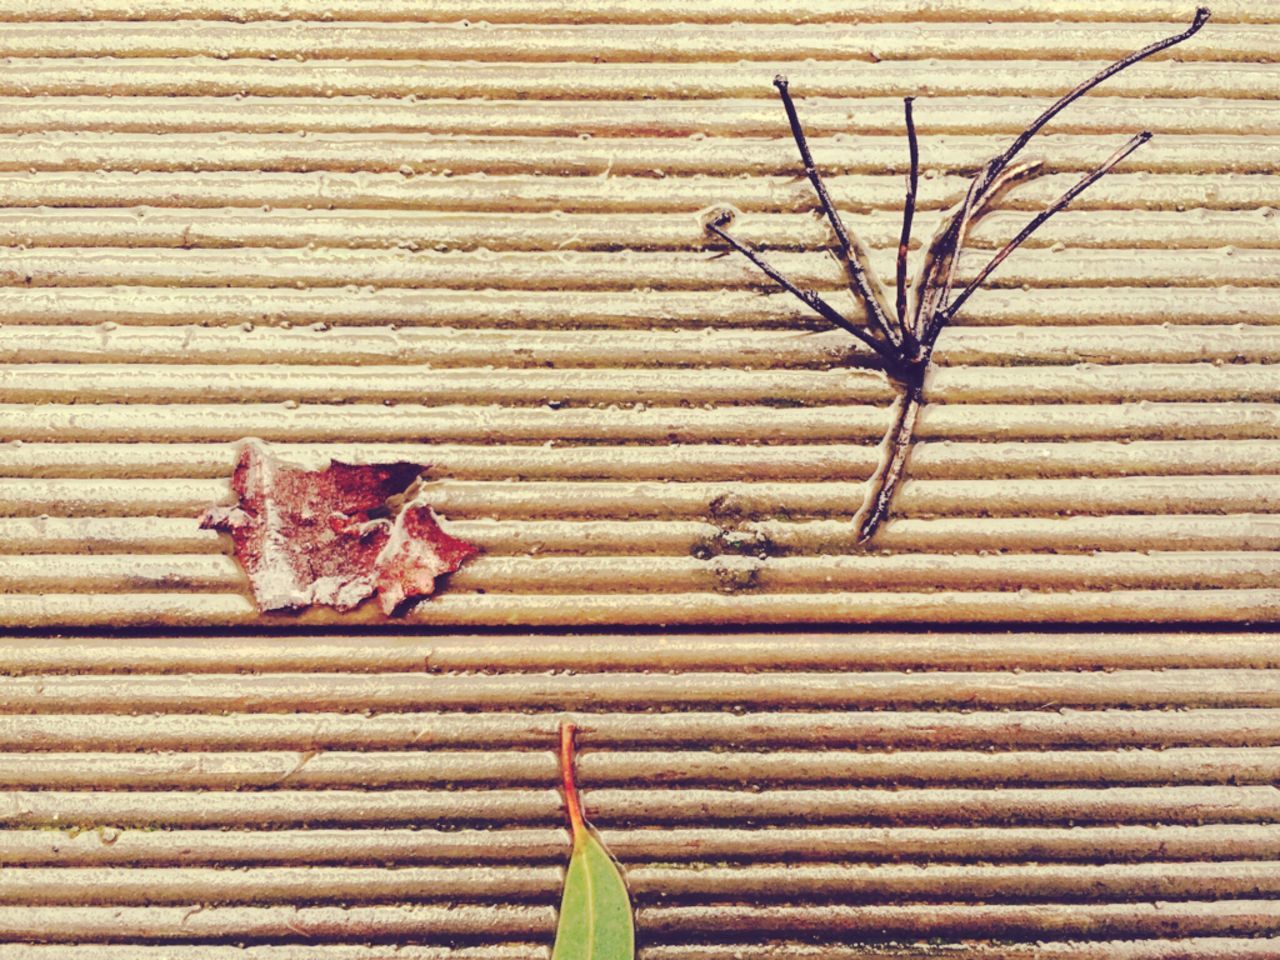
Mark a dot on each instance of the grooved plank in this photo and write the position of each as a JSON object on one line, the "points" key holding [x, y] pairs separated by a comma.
{"points": [[612, 11], [211, 76], [309, 951], [1067, 844], [745, 423], [1154, 948], [191, 922], [428, 194], [257, 887], [602, 156], [275, 693], [374, 653], [920, 920], [679, 42], [1184, 948], [1097, 726], [703, 808], [1008, 497], [143, 227], [594, 538], [260, 886], [61, 311], [599, 499], [957, 883], [732, 117], [358, 770], [584, 389], [434, 922], [259, 266], [92, 535], [692, 461], [155, 610], [1145, 353], [1026, 533], [623, 574]]}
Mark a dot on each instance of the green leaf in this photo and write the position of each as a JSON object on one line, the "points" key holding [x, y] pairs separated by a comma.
{"points": [[595, 911]]}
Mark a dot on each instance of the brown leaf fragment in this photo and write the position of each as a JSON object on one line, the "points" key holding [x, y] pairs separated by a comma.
{"points": [[329, 536]]}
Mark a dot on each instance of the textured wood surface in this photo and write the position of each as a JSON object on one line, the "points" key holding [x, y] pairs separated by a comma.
{"points": [[977, 795], [469, 233], [472, 237]]}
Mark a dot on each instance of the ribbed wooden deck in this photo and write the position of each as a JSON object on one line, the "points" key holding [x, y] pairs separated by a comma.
{"points": [[469, 233], [472, 237], [1112, 795]]}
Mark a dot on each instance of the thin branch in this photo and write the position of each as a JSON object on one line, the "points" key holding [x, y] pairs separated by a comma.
{"points": [[992, 169], [809, 298], [1096, 174], [894, 450], [996, 165], [849, 256], [1201, 17], [938, 273], [908, 212]]}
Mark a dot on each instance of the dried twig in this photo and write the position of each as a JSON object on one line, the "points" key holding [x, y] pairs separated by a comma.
{"points": [[1044, 215], [904, 344], [808, 297], [908, 210], [849, 250]]}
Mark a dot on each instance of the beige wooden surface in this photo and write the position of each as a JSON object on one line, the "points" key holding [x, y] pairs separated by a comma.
{"points": [[469, 233], [801, 796]]}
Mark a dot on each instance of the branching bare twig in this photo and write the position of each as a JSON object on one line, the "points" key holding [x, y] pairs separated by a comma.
{"points": [[904, 338]]}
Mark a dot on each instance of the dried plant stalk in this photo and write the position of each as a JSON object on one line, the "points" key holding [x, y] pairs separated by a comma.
{"points": [[903, 337]]}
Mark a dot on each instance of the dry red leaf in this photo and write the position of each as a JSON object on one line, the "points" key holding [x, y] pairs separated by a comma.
{"points": [[329, 537]]}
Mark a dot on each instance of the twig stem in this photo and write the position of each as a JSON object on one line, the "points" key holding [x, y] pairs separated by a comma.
{"points": [[1201, 17], [1044, 215], [848, 256], [809, 298], [908, 212], [894, 450]]}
